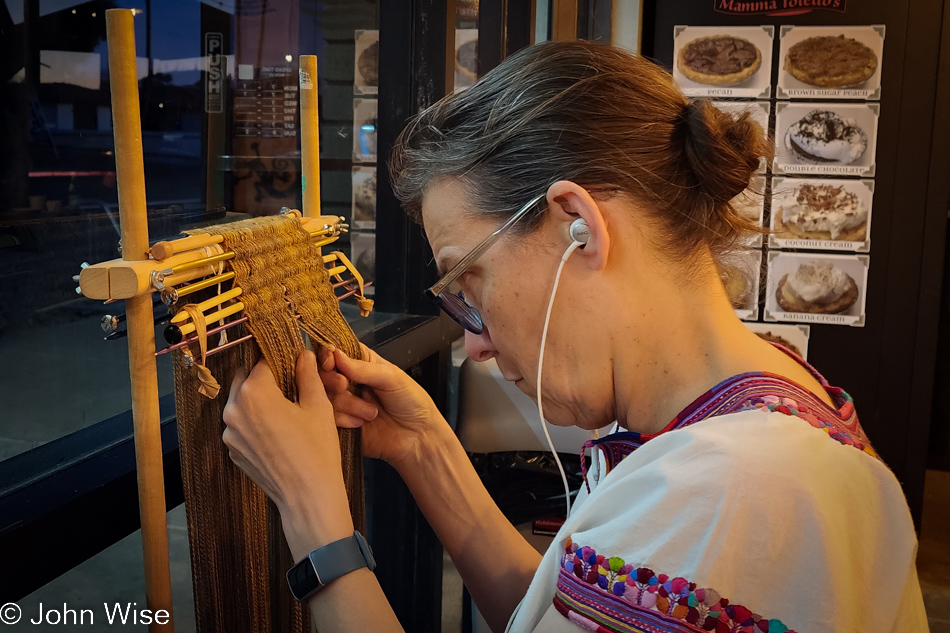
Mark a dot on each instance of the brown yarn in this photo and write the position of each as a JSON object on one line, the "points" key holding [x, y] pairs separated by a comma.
{"points": [[239, 557]]}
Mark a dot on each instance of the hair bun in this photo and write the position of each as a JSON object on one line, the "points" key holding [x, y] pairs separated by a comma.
{"points": [[722, 152]]}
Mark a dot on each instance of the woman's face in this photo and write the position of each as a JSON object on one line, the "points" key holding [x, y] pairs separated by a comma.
{"points": [[510, 285]]}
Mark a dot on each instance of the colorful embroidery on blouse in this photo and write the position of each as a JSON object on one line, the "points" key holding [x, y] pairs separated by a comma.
{"points": [[608, 595], [750, 391]]}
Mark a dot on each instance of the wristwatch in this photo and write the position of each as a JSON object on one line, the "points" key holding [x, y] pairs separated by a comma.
{"points": [[324, 565]]}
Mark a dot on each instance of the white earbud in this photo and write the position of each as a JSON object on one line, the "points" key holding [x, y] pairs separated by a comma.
{"points": [[580, 232]]}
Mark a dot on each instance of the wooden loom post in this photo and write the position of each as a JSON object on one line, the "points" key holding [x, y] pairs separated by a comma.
{"points": [[133, 222], [309, 136]]}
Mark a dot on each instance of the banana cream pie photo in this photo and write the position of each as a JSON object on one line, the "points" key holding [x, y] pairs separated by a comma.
{"points": [[728, 61], [833, 62], [826, 214], [827, 139], [816, 288]]}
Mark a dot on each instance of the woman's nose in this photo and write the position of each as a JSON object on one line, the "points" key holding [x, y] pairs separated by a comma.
{"points": [[479, 346]]}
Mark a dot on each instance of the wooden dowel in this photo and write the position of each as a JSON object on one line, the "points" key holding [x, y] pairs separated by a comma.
{"points": [[182, 316], [164, 250], [315, 226], [214, 317], [309, 136], [133, 223], [204, 283]]}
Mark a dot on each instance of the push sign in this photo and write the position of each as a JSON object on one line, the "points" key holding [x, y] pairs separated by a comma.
{"points": [[214, 79]]}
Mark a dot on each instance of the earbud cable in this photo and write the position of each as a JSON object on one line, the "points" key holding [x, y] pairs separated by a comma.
{"points": [[544, 337]]}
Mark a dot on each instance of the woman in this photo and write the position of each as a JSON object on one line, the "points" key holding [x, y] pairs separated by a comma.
{"points": [[735, 514]]}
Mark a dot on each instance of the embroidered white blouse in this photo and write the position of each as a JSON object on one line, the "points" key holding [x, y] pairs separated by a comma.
{"points": [[755, 521]]}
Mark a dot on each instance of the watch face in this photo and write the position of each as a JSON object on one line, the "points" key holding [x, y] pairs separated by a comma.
{"points": [[303, 579]]}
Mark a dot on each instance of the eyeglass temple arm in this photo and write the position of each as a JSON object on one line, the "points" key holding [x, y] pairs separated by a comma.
{"points": [[460, 267]]}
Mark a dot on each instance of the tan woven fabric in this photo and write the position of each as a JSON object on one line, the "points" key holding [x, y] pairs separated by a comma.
{"points": [[238, 554]]}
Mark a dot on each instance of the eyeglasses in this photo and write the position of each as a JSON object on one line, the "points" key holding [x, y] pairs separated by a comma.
{"points": [[454, 304]]}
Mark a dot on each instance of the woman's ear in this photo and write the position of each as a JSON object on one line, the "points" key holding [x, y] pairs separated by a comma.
{"points": [[569, 201]]}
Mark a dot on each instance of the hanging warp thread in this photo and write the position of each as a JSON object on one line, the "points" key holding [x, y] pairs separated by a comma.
{"points": [[238, 553]]}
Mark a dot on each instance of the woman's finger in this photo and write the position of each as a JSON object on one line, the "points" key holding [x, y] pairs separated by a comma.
{"points": [[310, 390], [334, 382], [351, 404], [373, 374], [345, 421]]}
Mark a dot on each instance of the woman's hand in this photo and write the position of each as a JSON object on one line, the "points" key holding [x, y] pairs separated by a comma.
{"points": [[291, 450], [395, 413]]}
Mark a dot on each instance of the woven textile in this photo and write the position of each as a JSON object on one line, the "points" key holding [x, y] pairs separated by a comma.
{"points": [[238, 554]]}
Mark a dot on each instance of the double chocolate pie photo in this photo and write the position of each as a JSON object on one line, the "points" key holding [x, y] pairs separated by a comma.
{"points": [[840, 62], [816, 288], [733, 61], [825, 138]]}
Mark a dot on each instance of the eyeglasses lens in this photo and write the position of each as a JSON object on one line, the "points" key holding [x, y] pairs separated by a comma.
{"points": [[462, 313]]}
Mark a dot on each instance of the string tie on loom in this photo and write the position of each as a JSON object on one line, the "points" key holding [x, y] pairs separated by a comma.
{"points": [[365, 305], [209, 387]]}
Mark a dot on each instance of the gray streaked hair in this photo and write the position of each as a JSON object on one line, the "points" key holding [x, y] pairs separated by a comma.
{"points": [[595, 115]]}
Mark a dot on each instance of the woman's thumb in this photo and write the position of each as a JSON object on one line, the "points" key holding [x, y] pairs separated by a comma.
{"points": [[310, 389], [376, 375]]}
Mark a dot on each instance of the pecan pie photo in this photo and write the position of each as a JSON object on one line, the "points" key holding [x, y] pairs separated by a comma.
{"points": [[719, 60], [830, 62]]}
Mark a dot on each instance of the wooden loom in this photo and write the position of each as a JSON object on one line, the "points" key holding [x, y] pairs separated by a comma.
{"points": [[197, 266]]}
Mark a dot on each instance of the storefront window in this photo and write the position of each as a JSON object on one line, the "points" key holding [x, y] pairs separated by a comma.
{"points": [[220, 127]]}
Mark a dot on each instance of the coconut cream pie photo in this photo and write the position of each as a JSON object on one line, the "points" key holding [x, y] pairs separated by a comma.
{"points": [[840, 62], [726, 61], [821, 211]]}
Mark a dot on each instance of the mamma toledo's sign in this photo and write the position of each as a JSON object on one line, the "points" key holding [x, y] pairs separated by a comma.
{"points": [[777, 7]]}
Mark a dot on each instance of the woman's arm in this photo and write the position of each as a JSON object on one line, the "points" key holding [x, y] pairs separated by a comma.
{"points": [[496, 563], [291, 451], [406, 429]]}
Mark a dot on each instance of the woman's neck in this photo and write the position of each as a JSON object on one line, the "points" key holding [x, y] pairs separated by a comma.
{"points": [[688, 342]]}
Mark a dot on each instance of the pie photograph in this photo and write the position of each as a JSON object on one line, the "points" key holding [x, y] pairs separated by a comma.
{"points": [[364, 130], [750, 204], [363, 211], [466, 57], [840, 62], [366, 63], [740, 272], [792, 337], [729, 61], [826, 138], [816, 287], [758, 110], [821, 213]]}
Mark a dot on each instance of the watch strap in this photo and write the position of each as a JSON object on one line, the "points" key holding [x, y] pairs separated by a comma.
{"points": [[325, 564]]}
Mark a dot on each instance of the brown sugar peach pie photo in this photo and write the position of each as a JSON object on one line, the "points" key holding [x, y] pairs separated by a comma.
{"points": [[831, 62]]}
